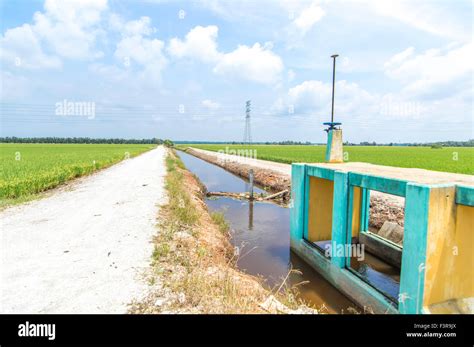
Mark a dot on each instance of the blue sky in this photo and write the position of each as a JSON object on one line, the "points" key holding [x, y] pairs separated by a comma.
{"points": [[184, 69]]}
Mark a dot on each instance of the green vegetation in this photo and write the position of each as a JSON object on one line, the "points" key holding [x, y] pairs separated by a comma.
{"points": [[219, 219], [181, 212], [448, 159], [168, 143], [28, 169]]}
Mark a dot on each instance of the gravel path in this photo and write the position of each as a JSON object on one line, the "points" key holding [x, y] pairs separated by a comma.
{"points": [[83, 249]]}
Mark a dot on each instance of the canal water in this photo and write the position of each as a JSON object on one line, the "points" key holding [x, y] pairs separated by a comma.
{"points": [[261, 231]]}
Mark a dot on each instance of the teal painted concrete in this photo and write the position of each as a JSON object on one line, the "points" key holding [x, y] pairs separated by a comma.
{"points": [[339, 215], [298, 177], [348, 232], [465, 195], [347, 282], [365, 210], [329, 146], [306, 205], [412, 277], [334, 269], [382, 184], [337, 268], [320, 172]]}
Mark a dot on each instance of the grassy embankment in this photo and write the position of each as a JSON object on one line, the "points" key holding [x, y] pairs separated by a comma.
{"points": [[447, 159], [193, 263], [29, 169]]}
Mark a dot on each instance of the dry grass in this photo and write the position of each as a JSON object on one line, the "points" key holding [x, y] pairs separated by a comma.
{"points": [[193, 267]]}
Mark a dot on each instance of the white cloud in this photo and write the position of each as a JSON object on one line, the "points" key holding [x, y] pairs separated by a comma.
{"points": [[211, 105], [244, 10], [255, 63], [64, 29], [82, 13], [433, 70], [141, 26], [360, 109], [308, 17], [14, 87], [291, 75], [263, 11], [399, 58], [137, 50], [141, 59], [200, 43], [141, 50], [315, 97], [21, 47], [71, 28], [434, 17], [303, 16]]}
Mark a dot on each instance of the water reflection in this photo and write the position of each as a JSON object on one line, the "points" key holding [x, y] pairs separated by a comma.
{"points": [[251, 215]]}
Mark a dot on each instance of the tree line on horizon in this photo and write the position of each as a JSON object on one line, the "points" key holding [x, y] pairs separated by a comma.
{"points": [[469, 143], [169, 143], [80, 140]]}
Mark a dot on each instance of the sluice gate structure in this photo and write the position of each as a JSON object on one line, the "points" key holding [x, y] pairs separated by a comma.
{"points": [[330, 226]]}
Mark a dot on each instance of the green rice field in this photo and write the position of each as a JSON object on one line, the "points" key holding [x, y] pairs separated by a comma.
{"points": [[32, 168], [448, 159]]}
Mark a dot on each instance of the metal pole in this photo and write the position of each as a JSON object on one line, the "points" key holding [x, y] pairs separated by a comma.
{"points": [[333, 82], [251, 183]]}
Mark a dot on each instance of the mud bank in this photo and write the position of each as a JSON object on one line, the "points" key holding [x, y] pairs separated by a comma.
{"points": [[276, 177], [269, 179]]}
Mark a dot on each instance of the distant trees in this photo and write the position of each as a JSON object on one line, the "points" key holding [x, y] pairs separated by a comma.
{"points": [[469, 143], [282, 143], [436, 146], [85, 140], [168, 143], [291, 143]]}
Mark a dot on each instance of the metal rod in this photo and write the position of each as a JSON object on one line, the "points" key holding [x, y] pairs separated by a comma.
{"points": [[251, 183], [333, 83]]}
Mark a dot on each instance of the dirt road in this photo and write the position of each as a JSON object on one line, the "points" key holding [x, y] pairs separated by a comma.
{"points": [[83, 249]]}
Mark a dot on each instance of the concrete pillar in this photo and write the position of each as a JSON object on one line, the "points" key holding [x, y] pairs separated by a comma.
{"points": [[334, 152], [297, 210]]}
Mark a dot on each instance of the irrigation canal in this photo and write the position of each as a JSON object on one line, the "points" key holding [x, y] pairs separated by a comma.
{"points": [[261, 231]]}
